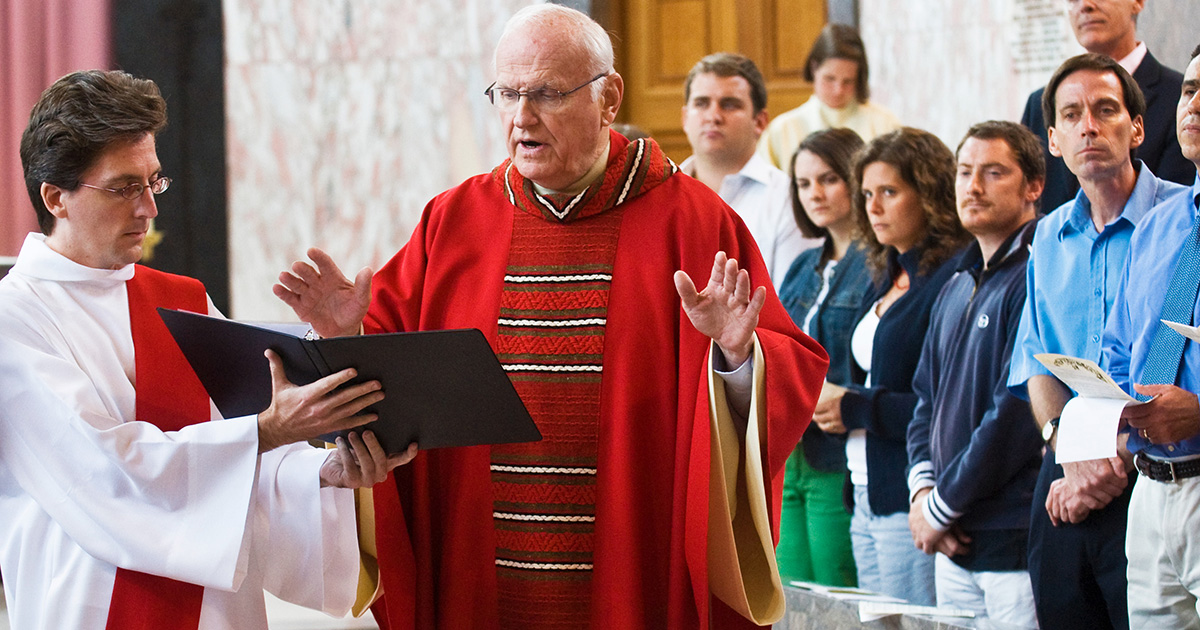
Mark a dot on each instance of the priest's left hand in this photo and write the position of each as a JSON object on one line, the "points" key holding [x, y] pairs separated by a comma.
{"points": [[726, 310], [360, 462]]}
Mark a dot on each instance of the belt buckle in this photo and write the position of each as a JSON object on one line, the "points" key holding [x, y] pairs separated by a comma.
{"points": [[1171, 469]]}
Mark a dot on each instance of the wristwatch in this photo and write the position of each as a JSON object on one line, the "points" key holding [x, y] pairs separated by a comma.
{"points": [[1049, 428]]}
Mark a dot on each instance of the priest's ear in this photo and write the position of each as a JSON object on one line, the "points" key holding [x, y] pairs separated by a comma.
{"points": [[54, 198], [611, 97]]}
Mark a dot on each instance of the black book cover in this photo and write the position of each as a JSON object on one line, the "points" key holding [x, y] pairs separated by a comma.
{"points": [[442, 388]]}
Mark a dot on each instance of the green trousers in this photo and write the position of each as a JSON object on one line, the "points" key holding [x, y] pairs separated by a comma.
{"points": [[814, 527]]}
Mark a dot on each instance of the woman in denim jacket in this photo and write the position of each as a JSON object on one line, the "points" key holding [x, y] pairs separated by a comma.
{"points": [[822, 291]]}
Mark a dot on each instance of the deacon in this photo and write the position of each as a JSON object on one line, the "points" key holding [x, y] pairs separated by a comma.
{"points": [[123, 508]]}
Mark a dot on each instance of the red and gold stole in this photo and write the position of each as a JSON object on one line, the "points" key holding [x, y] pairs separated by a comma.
{"points": [[169, 396], [550, 340]]}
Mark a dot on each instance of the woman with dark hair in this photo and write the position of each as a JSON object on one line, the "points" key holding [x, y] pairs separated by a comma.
{"points": [[837, 68], [905, 210], [822, 291]]}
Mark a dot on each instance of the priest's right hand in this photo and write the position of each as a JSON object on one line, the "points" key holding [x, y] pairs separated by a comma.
{"points": [[324, 297], [303, 412]]}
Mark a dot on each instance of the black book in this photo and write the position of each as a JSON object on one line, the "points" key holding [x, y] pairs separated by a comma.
{"points": [[442, 388]]}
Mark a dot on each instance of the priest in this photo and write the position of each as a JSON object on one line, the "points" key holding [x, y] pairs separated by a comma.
{"points": [[667, 412]]}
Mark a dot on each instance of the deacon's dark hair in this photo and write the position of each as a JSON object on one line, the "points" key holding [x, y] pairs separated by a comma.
{"points": [[75, 120], [730, 65], [840, 41], [836, 148], [1135, 101], [926, 164]]}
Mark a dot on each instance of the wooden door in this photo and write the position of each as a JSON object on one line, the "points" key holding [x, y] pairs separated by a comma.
{"points": [[658, 42]]}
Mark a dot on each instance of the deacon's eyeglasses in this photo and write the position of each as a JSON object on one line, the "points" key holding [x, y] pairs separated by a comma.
{"points": [[157, 186], [542, 99]]}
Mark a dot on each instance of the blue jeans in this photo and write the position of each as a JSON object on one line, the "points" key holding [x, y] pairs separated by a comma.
{"points": [[887, 560]]}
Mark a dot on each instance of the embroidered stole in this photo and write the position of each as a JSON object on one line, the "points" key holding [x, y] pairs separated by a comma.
{"points": [[550, 340], [169, 396]]}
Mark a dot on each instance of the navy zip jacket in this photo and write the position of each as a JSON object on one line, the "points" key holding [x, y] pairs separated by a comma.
{"points": [[885, 408], [969, 435]]}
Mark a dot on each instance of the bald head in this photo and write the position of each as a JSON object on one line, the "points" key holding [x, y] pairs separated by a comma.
{"points": [[558, 94], [574, 34]]}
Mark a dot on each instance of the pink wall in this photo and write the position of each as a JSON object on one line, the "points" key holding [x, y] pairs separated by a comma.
{"points": [[39, 41]]}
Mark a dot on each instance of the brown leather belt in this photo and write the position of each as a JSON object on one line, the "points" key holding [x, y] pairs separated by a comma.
{"points": [[1166, 471]]}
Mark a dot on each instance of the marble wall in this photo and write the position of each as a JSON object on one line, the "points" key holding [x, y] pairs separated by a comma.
{"points": [[945, 64], [344, 118]]}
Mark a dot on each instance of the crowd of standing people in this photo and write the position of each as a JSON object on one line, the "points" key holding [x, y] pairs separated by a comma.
{"points": [[743, 376], [929, 471]]}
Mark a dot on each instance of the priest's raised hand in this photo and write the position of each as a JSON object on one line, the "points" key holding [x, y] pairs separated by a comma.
{"points": [[726, 310], [324, 297]]}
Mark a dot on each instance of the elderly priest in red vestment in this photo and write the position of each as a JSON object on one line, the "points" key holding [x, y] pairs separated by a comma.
{"points": [[652, 501]]}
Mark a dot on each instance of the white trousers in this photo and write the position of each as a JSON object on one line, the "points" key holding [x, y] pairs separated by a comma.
{"points": [[1003, 596], [1163, 546]]}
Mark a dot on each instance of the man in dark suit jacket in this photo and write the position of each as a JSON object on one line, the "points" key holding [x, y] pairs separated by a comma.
{"points": [[1109, 27]]}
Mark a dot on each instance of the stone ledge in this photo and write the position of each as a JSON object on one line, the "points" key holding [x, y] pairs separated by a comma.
{"points": [[807, 610]]}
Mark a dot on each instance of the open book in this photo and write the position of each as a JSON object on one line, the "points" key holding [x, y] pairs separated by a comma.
{"points": [[442, 388]]}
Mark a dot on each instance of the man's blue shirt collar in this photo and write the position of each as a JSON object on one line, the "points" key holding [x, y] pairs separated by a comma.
{"points": [[1079, 219], [1196, 191]]}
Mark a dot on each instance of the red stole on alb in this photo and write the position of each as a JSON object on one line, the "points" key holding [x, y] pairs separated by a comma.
{"points": [[170, 397]]}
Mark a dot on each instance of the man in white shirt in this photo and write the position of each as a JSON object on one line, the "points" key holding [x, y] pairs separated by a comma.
{"points": [[120, 506], [724, 113]]}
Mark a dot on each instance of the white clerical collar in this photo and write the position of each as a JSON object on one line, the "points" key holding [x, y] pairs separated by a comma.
{"points": [[37, 260], [1134, 59], [594, 173]]}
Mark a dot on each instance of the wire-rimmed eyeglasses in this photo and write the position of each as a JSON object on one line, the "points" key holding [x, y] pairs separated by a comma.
{"points": [[157, 186], [543, 99]]}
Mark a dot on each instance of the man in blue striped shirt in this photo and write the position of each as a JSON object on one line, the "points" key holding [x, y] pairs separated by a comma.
{"points": [[1164, 513]]}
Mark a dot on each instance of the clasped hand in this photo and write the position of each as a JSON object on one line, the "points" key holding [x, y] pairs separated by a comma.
{"points": [[828, 412], [951, 542], [1086, 486]]}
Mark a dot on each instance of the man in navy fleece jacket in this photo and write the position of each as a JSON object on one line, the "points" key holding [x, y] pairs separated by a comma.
{"points": [[974, 450]]}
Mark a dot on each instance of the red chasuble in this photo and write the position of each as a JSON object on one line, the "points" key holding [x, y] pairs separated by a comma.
{"points": [[169, 396], [436, 527]]}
